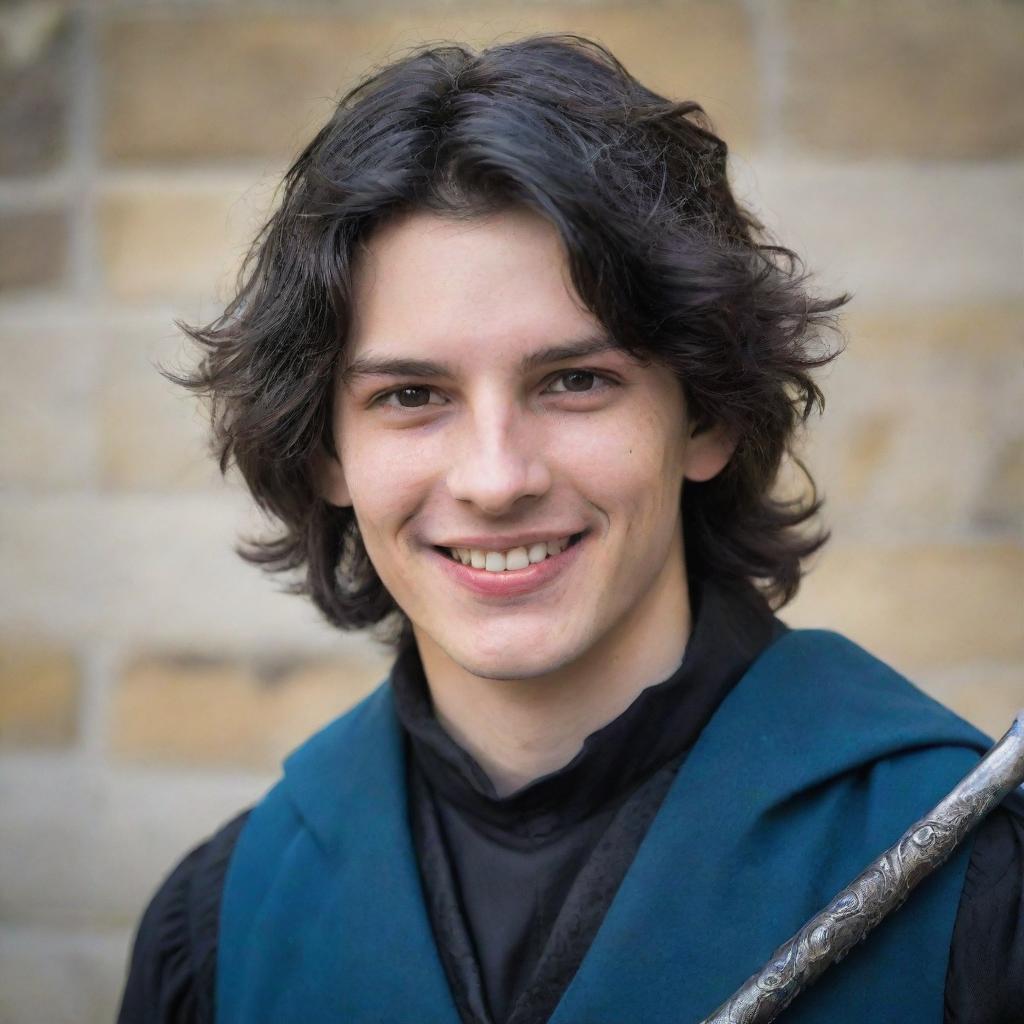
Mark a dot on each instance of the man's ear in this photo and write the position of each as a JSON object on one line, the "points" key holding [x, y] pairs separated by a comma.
{"points": [[708, 451], [330, 479]]}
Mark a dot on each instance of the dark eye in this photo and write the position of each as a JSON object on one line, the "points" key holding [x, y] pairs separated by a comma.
{"points": [[575, 380], [412, 397]]}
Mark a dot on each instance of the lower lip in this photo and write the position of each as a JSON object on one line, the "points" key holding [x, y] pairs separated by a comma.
{"points": [[510, 582]]}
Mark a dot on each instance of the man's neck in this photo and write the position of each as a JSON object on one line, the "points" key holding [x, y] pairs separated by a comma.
{"points": [[522, 729]]}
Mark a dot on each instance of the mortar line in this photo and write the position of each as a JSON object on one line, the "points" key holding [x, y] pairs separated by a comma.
{"points": [[769, 37], [99, 662], [84, 277]]}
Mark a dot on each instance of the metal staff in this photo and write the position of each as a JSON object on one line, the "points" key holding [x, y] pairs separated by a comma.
{"points": [[879, 889]]}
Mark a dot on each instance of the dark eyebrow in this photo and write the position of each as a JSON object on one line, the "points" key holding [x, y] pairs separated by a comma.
{"points": [[589, 346], [371, 366]]}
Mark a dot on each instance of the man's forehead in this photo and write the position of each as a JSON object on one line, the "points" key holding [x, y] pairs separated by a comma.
{"points": [[417, 239], [434, 296]]}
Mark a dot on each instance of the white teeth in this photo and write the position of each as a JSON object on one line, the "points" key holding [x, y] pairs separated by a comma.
{"points": [[515, 558]]}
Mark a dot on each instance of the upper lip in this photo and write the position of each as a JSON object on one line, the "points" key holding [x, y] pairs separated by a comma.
{"points": [[506, 543]]}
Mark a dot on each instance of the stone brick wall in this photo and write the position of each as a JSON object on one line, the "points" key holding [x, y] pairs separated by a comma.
{"points": [[149, 680]]}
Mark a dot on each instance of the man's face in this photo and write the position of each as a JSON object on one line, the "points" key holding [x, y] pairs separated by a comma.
{"points": [[483, 409]]}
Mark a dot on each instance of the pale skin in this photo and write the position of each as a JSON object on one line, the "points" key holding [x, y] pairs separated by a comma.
{"points": [[490, 444]]}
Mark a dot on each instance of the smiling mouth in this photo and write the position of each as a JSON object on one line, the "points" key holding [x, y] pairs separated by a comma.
{"points": [[513, 559]]}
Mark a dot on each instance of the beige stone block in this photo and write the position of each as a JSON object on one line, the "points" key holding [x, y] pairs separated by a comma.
{"points": [[153, 434], [151, 570], [38, 695], [165, 240], [46, 404], [921, 421], [896, 234], [919, 606], [126, 824], [987, 695], [236, 84], [200, 711], [33, 249], [928, 78], [60, 977]]}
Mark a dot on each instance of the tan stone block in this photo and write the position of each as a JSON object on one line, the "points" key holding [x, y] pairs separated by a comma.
{"points": [[869, 443], [919, 606], [166, 241], [35, 45], [46, 404], [929, 78], [33, 249], [987, 695], [38, 695], [970, 331], [153, 434], [1001, 502], [217, 712], [921, 420], [225, 85], [698, 51]]}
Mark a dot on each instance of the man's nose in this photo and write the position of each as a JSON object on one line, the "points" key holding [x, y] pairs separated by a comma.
{"points": [[497, 460]]}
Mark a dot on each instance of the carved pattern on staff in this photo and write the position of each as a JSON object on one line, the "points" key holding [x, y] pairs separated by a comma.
{"points": [[879, 889]]}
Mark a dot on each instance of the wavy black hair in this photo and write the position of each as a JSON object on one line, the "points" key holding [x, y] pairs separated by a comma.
{"points": [[658, 248]]}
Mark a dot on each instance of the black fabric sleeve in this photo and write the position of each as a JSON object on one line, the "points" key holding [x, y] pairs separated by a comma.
{"points": [[985, 980], [171, 976]]}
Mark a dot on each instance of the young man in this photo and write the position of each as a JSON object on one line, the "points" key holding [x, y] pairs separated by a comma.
{"points": [[516, 375]]}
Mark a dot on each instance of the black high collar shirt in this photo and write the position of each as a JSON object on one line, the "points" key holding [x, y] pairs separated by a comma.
{"points": [[518, 885], [729, 629]]}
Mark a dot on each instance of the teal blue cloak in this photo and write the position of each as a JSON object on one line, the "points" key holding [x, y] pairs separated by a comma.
{"points": [[817, 760]]}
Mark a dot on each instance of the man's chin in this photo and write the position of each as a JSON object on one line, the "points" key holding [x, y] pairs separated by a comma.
{"points": [[523, 645], [516, 660]]}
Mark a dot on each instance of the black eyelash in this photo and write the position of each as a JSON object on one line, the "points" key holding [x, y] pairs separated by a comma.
{"points": [[394, 391], [598, 374], [580, 369]]}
